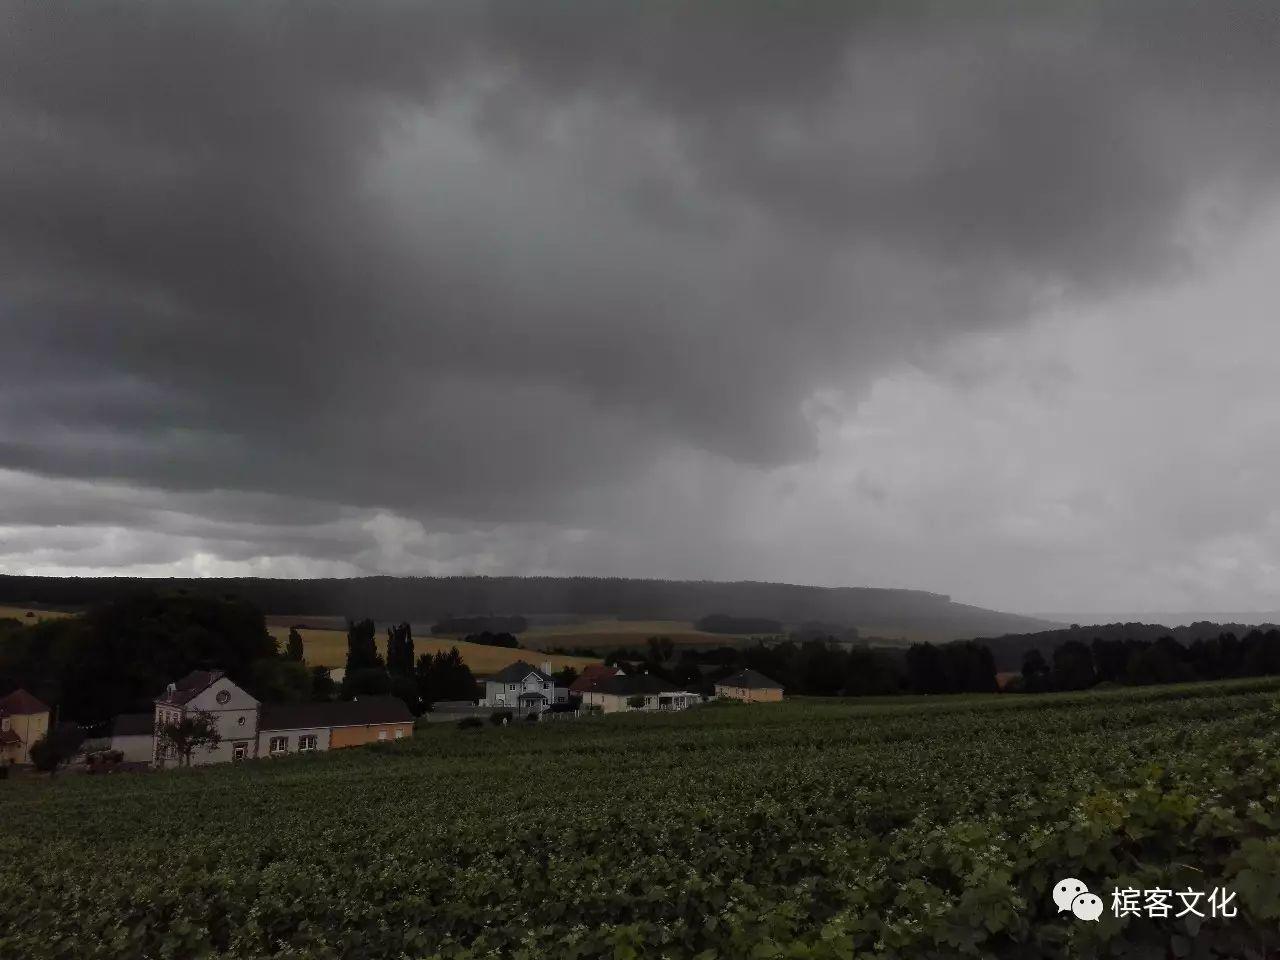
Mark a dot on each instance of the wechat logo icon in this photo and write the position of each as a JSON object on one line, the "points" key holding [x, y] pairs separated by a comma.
{"points": [[1071, 894]]}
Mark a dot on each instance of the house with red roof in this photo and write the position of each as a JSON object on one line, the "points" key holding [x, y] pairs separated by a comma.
{"points": [[23, 721], [592, 676]]}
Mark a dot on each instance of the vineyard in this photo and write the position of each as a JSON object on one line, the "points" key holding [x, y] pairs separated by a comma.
{"points": [[912, 829]]}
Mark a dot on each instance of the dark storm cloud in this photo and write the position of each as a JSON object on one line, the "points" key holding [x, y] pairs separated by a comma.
{"points": [[480, 260]]}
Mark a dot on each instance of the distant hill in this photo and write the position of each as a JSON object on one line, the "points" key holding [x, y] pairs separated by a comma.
{"points": [[907, 613], [1009, 649], [1180, 618]]}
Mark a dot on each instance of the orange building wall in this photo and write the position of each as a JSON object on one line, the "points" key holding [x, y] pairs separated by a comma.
{"points": [[766, 695], [355, 736]]}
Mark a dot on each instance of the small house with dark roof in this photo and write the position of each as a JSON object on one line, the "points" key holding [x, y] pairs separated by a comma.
{"points": [[304, 727], [620, 693], [133, 734], [23, 720], [524, 687], [750, 686]]}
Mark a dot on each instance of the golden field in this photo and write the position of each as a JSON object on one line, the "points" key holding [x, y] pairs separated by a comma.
{"points": [[20, 613], [328, 648]]}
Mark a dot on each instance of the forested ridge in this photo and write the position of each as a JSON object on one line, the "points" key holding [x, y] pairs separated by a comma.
{"points": [[427, 599]]}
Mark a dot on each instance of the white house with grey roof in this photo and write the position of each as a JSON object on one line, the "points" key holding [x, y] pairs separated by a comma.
{"points": [[522, 686], [234, 711]]}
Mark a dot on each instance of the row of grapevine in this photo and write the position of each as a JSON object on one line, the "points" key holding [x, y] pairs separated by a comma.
{"points": [[803, 830]]}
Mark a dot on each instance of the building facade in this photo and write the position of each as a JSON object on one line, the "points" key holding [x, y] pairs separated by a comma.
{"points": [[23, 721], [522, 686], [749, 686], [234, 711], [249, 728], [618, 694]]}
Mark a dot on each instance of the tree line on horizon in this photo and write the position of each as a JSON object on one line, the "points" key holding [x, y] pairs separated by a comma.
{"points": [[1140, 661], [431, 599]]}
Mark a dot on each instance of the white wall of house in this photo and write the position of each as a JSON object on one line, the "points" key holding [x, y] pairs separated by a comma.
{"points": [[274, 743], [137, 748], [618, 703], [235, 713], [508, 694]]}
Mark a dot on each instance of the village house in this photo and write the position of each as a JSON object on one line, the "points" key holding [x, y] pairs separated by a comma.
{"points": [[750, 686], [133, 735], [522, 686], [304, 727], [249, 728], [619, 693], [23, 721], [212, 692], [591, 677]]}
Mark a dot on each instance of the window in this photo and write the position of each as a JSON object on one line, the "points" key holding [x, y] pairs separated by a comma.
{"points": [[241, 749], [511, 686], [240, 721], [223, 696], [382, 734], [307, 742], [279, 744], [4, 723], [399, 734], [546, 686]]}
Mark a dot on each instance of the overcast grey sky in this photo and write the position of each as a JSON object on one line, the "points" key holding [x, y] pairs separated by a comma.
{"points": [[978, 298]]}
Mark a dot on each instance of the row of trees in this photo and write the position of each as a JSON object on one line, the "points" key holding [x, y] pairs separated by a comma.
{"points": [[116, 657], [825, 667], [418, 682], [1076, 665]]}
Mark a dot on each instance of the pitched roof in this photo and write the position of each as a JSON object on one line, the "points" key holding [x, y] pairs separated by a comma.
{"points": [[134, 725], [751, 679], [634, 685], [591, 676], [195, 682], [20, 702], [337, 713], [515, 672]]}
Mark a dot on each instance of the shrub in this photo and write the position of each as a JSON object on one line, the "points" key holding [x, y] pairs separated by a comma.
{"points": [[531, 718], [499, 717], [470, 723]]}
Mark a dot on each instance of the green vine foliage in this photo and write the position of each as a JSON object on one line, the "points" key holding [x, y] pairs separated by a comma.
{"points": [[812, 830]]}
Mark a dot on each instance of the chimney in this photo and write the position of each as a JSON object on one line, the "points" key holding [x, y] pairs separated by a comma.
{"points": [[171, 688], [546, 667]]}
